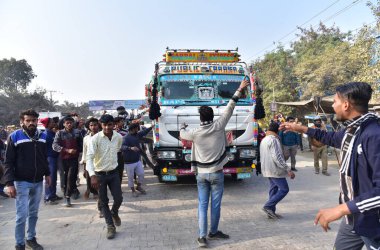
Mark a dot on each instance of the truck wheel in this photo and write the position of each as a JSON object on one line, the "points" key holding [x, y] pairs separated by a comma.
{"points": [[234, 177], [159, 176]]}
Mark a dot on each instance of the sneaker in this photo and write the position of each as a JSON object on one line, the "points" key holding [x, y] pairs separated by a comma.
{"points": [[67, 202], [51, 202], [116, 219], [270, 213], [4, 194], [278, 216], [326, 173], [294, 169], [32, 244], [20, 247], [135, 194], [218, 235], [111, 231], [202, 242], [140, 189], [316, 172]]}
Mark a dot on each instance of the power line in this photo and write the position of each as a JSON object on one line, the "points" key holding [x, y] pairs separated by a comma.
{"points": [[291, 32], [327, 19]]}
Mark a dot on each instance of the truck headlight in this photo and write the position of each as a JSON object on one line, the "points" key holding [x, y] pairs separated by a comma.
{"points": [[188, 157], [230, 156], [166, 154], [247, 153]]}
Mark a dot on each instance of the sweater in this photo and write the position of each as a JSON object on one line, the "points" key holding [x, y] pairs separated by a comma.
{"points": [[130, 141], [272, 159], [289, 138], [208, 151], [49, 143]]}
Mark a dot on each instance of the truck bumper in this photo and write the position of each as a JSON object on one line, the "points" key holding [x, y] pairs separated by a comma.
{"points": [[171, 174]]}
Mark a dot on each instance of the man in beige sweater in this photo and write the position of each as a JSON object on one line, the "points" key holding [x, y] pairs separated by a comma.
{"points": [[208, 156]]}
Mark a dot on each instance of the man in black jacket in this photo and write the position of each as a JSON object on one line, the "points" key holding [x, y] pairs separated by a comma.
{"points": [[69, 142], [359, 171], [25, 166], [132, 157]]}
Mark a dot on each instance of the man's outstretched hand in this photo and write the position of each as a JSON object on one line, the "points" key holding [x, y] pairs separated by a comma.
{"points": [[292, 126]]}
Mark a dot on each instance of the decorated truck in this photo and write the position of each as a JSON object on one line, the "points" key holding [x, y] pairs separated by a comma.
{"points": [[187, 79]]}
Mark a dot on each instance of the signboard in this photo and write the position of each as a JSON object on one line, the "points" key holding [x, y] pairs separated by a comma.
{"points": [[98, 105], [202, 68], [225, 78], [212, 57], [273, 107]]}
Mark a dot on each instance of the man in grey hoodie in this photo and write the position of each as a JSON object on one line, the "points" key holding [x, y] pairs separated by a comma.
{"points": [[208, 156], [274, 167]]}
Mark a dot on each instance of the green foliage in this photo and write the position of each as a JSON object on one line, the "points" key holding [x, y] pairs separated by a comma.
{"points": [[16, 101], [15, 75], [319, 61], [275, 71]]}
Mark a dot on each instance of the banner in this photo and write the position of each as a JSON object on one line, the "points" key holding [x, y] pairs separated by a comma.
{"points": [[98, 105]]}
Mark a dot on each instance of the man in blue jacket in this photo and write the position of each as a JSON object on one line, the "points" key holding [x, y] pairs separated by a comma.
{"points": [[359, 171], [290, 141], [51, 196], [132, 157], [25, 167]]}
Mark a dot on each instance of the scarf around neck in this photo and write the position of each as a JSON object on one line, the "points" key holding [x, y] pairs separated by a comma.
{"points": [[352, 130]]}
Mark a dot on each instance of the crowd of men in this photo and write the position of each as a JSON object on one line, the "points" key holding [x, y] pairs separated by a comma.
{"points": [[103, 147], [109, 150]]}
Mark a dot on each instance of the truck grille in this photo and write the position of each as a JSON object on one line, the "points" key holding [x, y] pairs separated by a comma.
{"points": [[235, 133]]}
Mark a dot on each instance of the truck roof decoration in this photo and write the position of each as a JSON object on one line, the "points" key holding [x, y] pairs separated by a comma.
{"points": [[205, 56]]}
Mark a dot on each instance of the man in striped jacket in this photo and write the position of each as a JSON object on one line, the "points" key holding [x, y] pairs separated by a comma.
{"points": [[359, 171]]}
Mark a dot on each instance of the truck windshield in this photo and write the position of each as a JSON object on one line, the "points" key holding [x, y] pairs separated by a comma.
{"points": [[214, 89], [177, 90]]}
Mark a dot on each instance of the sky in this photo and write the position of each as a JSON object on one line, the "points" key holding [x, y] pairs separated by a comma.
{"points": [[106, 50]]}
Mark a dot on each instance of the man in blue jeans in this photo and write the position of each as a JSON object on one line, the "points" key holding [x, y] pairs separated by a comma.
{"points": [[25, 166], [274, 167], [51, 197], [208, 156], [290, 141]]}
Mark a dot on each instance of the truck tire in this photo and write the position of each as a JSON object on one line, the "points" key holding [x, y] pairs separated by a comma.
{"points": [[159, 177], [234, 177]]}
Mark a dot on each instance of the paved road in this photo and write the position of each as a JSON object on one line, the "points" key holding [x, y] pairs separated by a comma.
{"points": [[166, 218]]}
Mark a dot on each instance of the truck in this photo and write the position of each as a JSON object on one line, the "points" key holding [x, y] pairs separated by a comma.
{"points": [[187, 79]]}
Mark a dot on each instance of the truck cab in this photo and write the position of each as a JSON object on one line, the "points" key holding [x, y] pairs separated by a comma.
{"points": [[187, 80]]}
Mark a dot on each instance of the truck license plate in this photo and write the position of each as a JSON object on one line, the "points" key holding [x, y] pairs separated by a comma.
{"points": [[169, 178], [243, 175]]}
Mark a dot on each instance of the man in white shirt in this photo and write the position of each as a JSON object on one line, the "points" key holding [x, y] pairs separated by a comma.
{"points": [[102, 167]]}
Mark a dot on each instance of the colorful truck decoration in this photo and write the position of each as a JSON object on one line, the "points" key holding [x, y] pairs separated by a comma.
{"points": [[183, 81]]}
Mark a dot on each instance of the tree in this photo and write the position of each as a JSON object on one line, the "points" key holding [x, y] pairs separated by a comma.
{"points": [[14, 102], [275, 72], [15, 75], [321, 60]]}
